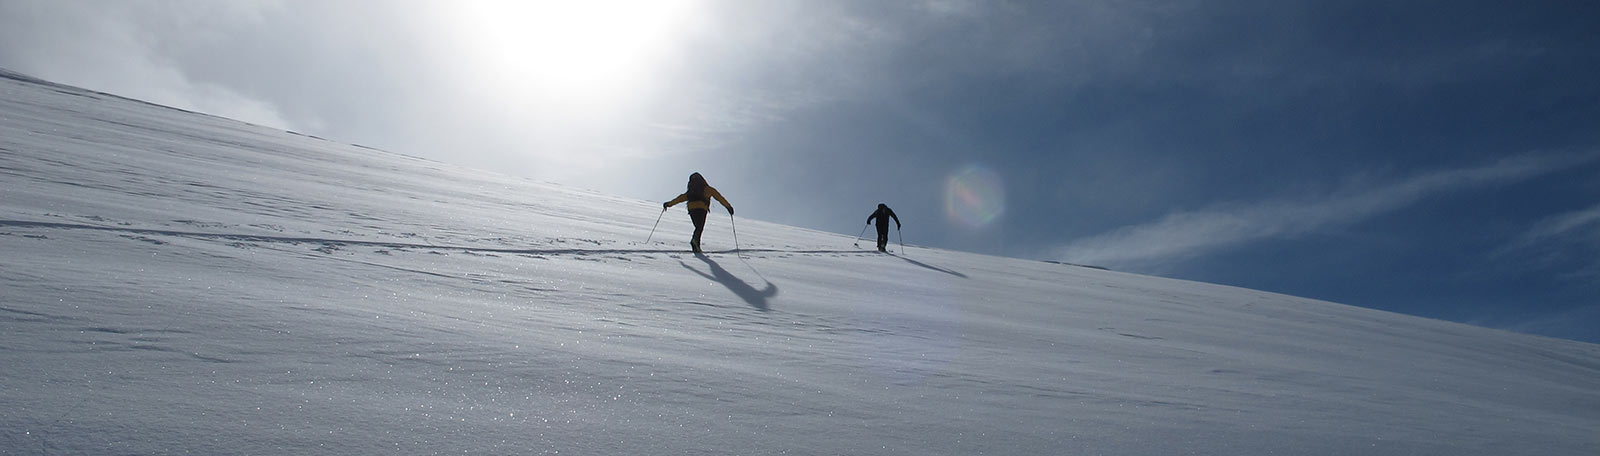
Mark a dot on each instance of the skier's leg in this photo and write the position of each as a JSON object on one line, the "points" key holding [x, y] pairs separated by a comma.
{"points": [[883, 238], [698, 216]]}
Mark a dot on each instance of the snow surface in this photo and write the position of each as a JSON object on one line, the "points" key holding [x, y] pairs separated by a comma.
{"points": [[174, 282]]}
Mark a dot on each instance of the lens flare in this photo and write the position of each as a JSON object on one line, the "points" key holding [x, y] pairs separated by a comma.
{"points": [[974, 196]]}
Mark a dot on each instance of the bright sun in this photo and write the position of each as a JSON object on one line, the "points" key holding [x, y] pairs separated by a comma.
{"points": [[571, 52]]}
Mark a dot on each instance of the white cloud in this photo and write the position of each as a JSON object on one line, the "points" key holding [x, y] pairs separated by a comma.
{"points": [[120, 48], [1583, 224], [1183, 235], [1572, 238]]}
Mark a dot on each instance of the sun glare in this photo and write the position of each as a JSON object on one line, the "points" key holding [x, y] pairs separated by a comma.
{"points": [[570, 52]]}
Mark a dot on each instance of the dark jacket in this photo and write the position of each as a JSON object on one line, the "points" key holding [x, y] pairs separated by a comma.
{"points": [[883, 214]]}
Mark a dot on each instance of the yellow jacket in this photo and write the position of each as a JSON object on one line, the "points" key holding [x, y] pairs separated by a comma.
{"points": [[703, 204]]}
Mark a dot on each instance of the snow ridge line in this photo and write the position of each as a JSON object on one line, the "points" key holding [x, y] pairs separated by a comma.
{"points": [[390, 244]]}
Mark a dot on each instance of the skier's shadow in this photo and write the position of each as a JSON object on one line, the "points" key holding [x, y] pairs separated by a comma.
{"points": [[932, 267], [756, 298]]}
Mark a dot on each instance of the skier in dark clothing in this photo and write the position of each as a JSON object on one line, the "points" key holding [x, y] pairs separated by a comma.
{"points": [[699, 196], [883, 214]]}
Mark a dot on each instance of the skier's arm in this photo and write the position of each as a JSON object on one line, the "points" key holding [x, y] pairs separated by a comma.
{"points": [[896, 219], [718, 195], [873, 216], [681, 198]]}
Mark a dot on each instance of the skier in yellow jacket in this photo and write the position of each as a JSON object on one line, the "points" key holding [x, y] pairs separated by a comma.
{"points": [[699, 196]]}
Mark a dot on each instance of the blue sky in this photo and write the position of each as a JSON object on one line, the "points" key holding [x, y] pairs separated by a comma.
{"points": [[1426, 157]]}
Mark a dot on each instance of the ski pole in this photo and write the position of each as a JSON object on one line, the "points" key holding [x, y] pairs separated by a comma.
{"points": [[902, 239], [863, 233], [735, 233], [653, 227]]}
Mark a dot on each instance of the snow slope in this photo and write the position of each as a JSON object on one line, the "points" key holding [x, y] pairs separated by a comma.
{"points": [[174, 282]]}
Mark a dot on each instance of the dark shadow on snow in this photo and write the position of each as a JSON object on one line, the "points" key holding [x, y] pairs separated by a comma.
{"points": [[929, 266], [756, 298]]}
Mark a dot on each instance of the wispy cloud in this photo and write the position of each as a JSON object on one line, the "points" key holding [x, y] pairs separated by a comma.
{"points": [[1186, 234], [715, 118], [1583, 224], [1572, 238]]}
